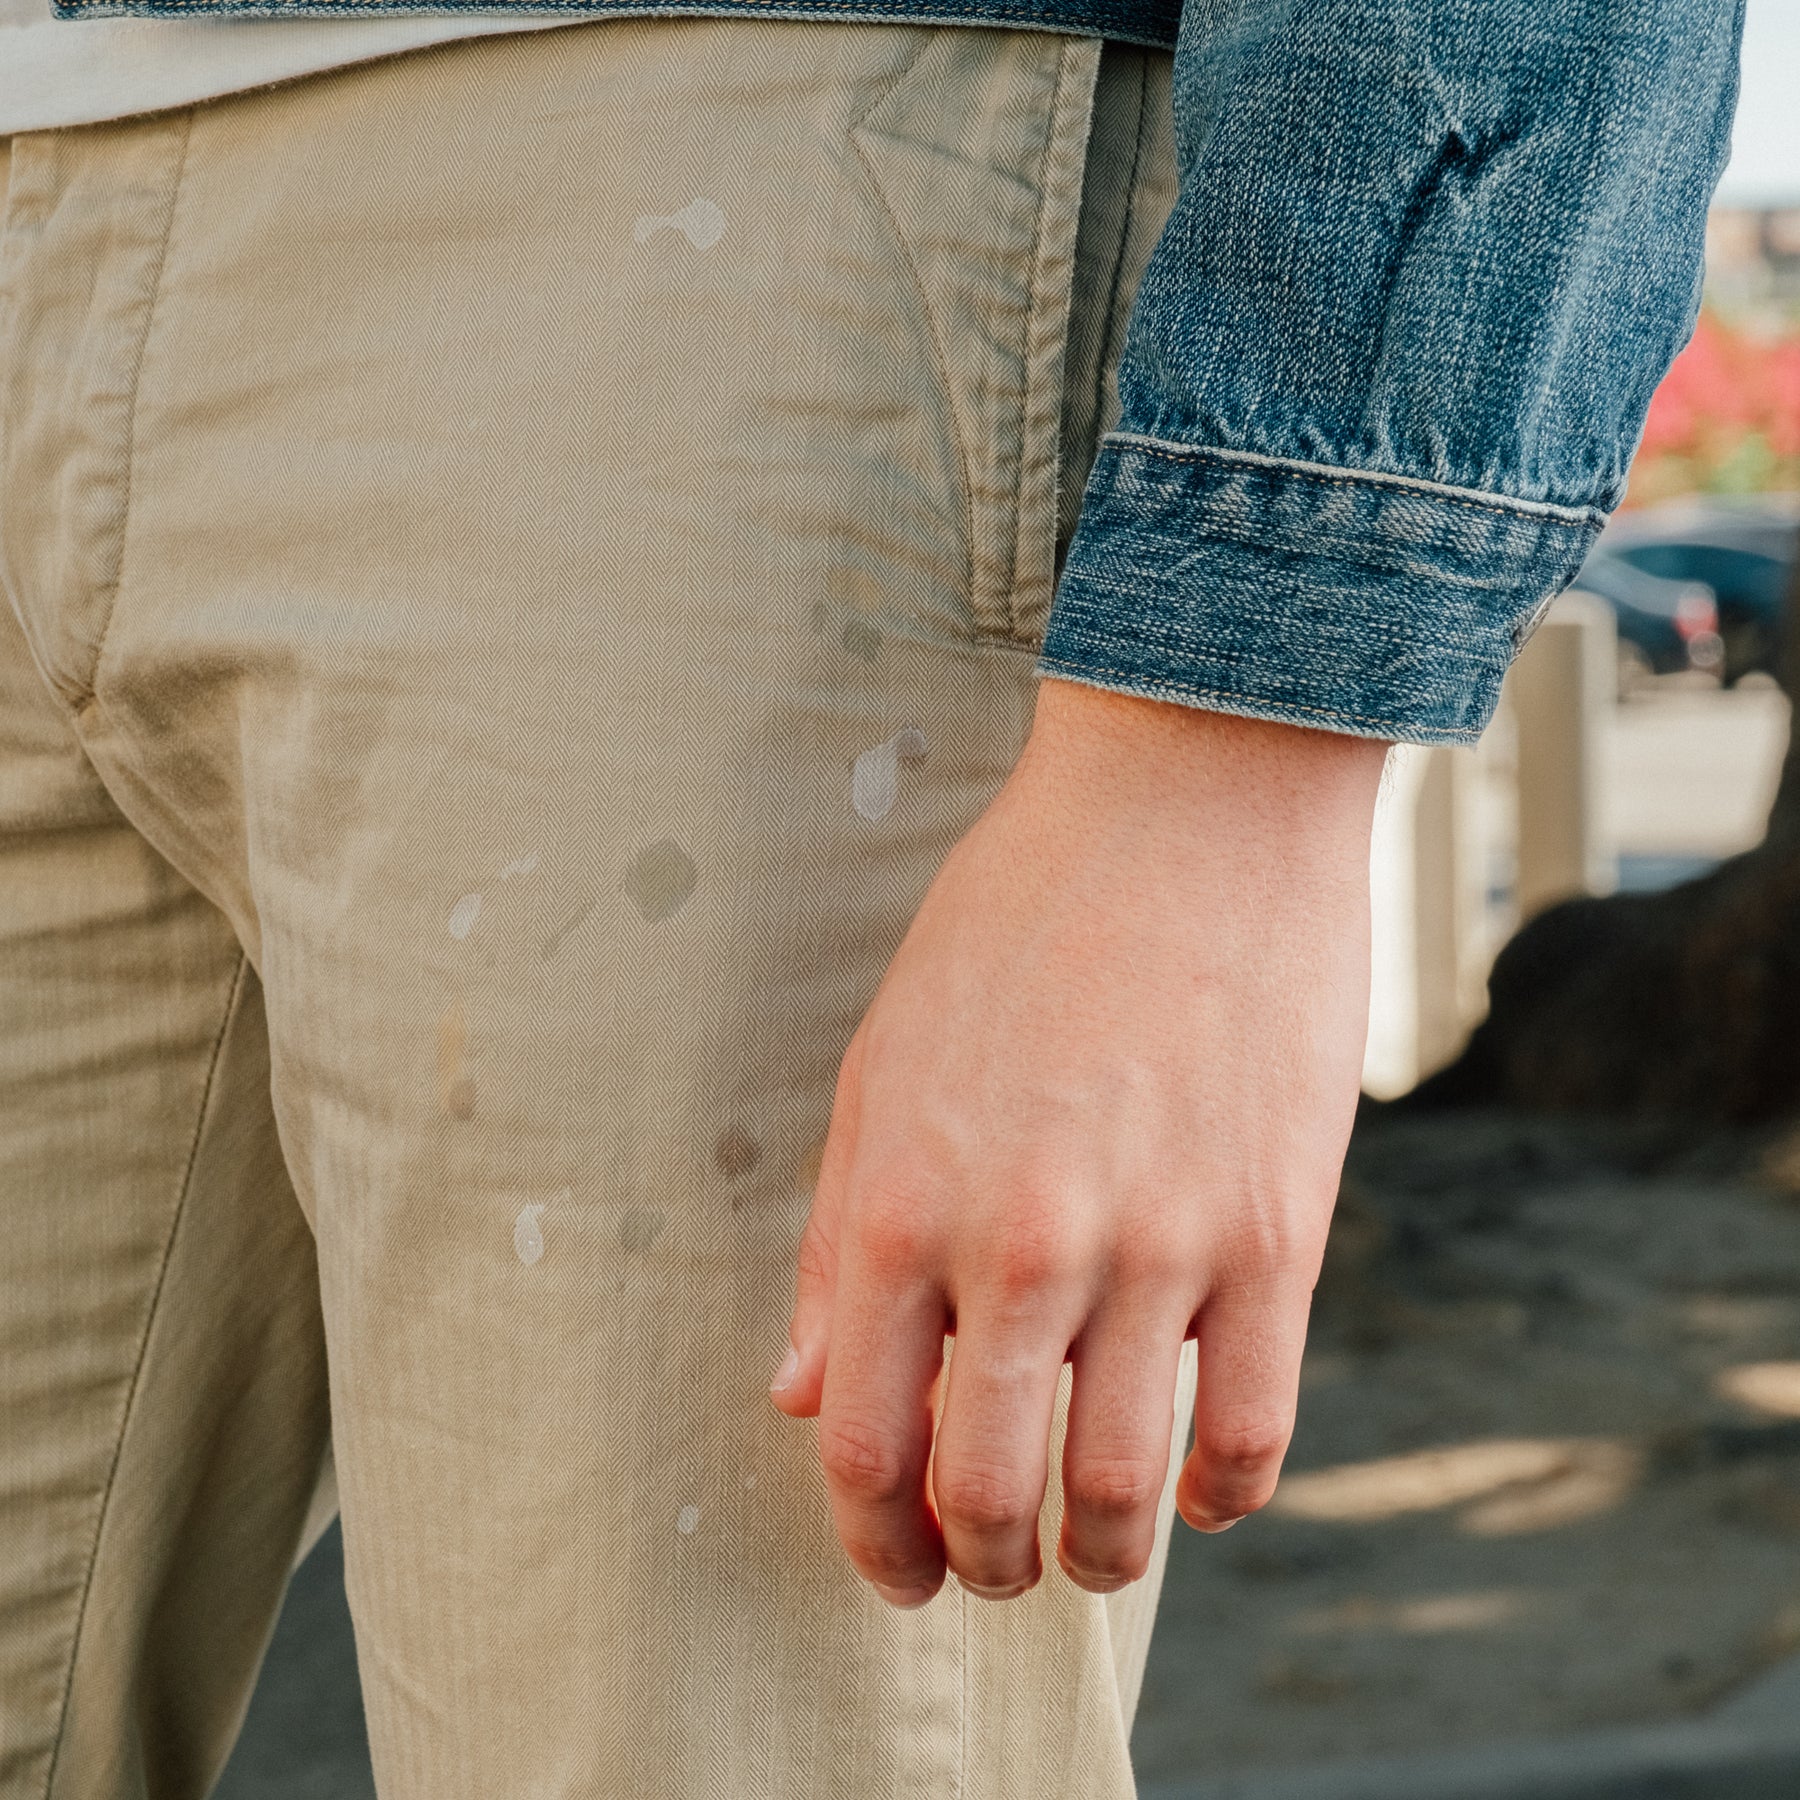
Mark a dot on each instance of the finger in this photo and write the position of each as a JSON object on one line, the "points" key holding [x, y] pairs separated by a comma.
{"points": [[1250, 1342], [1116, 1449], [799, 1381], [875, 1424], [991, 1464]]}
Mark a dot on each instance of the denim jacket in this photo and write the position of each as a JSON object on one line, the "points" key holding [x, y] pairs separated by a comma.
{"points": [[1394, 350], [1391, 357]]}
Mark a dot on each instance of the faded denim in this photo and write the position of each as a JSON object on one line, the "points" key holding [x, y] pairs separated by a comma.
{"points": [[1392, 356], [1386, 373]]}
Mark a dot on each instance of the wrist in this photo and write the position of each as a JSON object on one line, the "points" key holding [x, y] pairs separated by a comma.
{"points": [[1126, 756]]}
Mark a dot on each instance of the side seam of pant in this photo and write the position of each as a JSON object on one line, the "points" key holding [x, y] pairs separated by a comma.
{"points": [[162, 1385]]}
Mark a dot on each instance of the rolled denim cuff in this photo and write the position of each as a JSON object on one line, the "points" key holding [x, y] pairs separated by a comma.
{"points": [[1379, 605]]}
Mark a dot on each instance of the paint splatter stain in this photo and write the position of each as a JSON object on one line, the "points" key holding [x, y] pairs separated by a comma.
{"points": [[528, 1235], [463, 916], [701, 222], [687, 1520], [456, 1091], [520, 865], [660, 878], [575, 920], [737, 1152], [875, 782], [641, 1227], [862, 639], [875, 775]]}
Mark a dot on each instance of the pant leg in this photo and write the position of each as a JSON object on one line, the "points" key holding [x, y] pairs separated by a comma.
{"points": [[162, 1390], [593, 507]]}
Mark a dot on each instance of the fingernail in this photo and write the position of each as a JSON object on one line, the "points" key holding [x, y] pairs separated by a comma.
{"points": [[908, 1599], [1094, 1584], [1215, 1526], [1010, 1592], [784, 1376]]}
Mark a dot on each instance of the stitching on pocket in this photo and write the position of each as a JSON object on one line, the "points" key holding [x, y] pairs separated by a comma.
{"points": [[109, 593], [939, 352], [1062, 176], [1112, 343]]}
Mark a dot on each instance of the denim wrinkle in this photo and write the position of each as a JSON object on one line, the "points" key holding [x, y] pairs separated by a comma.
{"points": [[1391, 358]]}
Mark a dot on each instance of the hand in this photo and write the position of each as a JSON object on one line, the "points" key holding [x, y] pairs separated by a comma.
{"points": [[1098, 1105]]}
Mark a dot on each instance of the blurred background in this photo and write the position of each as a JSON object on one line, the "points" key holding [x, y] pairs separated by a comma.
{"points": [[1540, 1533]]}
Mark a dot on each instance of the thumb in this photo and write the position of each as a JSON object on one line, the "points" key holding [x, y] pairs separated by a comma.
{"points": [[800, 1380]]}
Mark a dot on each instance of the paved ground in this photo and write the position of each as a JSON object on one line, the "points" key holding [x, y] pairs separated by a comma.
{"points": [[1547, 1476]]}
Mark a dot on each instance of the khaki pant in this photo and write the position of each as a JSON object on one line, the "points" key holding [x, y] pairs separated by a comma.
{"points": [[521, 561]]}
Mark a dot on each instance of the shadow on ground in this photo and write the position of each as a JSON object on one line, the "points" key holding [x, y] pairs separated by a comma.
{"points": [[1546, 1480]]}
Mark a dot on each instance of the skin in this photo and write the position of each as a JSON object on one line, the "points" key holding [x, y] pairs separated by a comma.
{"points": [[1098, 1105]]}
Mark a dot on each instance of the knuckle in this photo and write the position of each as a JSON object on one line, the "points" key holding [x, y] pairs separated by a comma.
{"points": [[1247, 1449], [862, 1462], [887, 1563], [981, 1499], [1113, 1487], [1260, 1246], [1022, 1268], [1033, 1253], [1272, 1240], [893, 1241]]}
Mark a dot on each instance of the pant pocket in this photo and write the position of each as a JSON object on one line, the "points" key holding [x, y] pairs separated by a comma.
{"points": [[978, 151], [1127, 193]]}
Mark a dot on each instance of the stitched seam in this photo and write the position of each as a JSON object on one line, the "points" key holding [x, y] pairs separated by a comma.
{"points": [[1442, 491], [1052, 118], [1059, 666], [957, 434], [1043, 18], [110, 593], [137, 1371], [1113, 347]]}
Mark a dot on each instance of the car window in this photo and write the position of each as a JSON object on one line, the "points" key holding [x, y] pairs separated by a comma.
{"points": [[1740, 578]]}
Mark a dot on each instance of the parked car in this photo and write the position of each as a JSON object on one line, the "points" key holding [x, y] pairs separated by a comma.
{"points": [[1741, 551], [1664, 626]]}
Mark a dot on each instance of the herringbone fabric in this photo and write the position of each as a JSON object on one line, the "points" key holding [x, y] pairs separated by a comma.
{"points": [[522, 561]]}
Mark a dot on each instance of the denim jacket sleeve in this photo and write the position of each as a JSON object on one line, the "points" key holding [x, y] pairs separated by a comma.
{"points": [[1393, 352]]}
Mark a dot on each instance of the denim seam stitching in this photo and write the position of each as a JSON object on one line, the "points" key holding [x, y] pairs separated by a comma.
{"points": [[1442, 491], [110, 593], [137, 1371], [1028, 17], [1058, 665]]}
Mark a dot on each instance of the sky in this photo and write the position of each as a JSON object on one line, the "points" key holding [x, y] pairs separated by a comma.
{"points": [[1765, 140]]}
